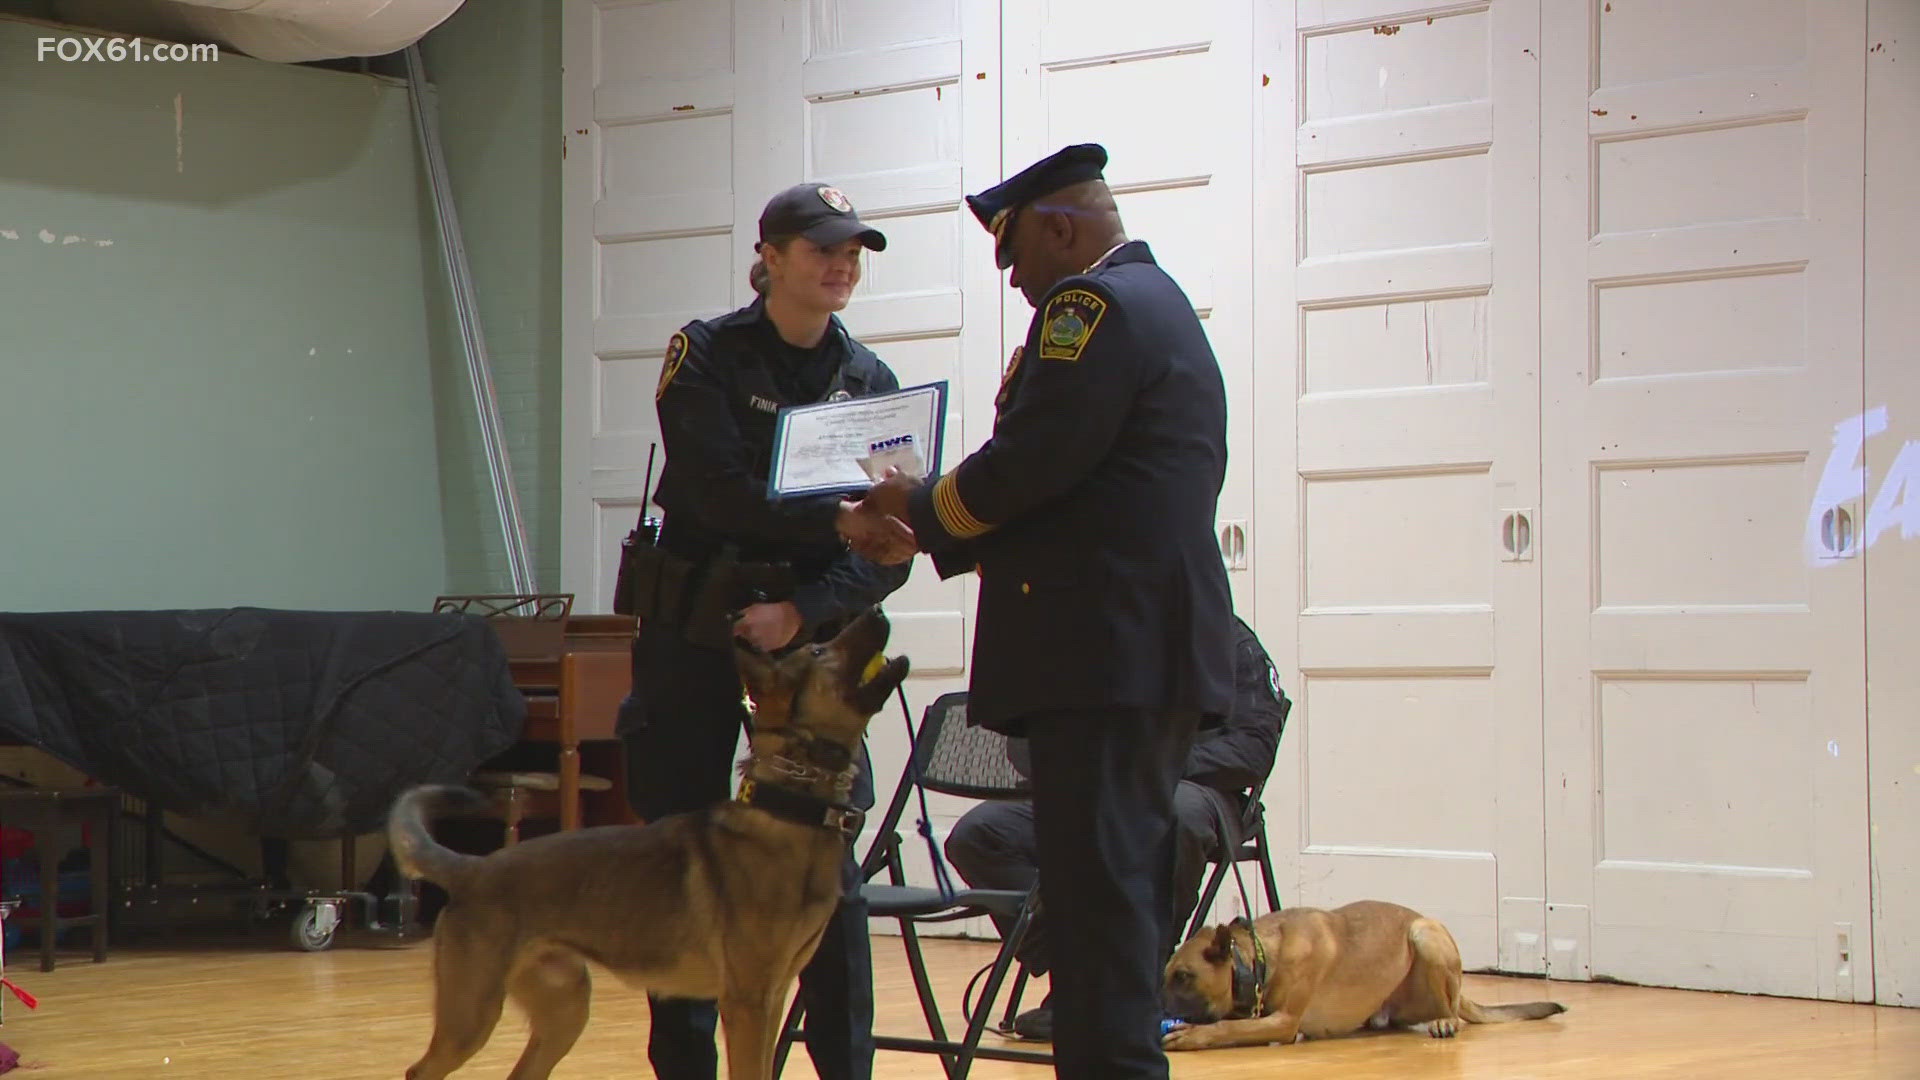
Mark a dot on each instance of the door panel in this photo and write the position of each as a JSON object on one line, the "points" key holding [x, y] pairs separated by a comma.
{"points": [[1704, 653], [1403, 286]]}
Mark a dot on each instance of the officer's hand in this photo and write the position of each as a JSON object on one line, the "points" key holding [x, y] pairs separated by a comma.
{"points": [[874, 536], [889, 496], [768, 626]]}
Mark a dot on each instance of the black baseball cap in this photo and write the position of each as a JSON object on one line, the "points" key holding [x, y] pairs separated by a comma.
{"points": [[821, 214]]}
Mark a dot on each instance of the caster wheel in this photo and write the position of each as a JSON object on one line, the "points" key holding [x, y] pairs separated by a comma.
{"points": [[313, 928]]}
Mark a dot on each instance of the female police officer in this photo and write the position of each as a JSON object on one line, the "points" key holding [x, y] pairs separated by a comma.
{"points": [[779, 574]]}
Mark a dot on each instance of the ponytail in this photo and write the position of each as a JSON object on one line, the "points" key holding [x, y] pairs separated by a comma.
{"points": [[757, 276]]}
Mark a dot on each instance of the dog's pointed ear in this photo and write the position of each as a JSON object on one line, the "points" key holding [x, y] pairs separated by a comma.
{"points": [[1222, 947], [871, 695]]}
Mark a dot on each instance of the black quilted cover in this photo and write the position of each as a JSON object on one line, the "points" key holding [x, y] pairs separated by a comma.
{"points": [[309, 723]]}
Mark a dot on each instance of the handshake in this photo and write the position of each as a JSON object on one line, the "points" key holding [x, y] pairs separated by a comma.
{"points": [[875, 526]]}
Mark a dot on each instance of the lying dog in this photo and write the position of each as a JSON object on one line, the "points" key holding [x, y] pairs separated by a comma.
{"points": [[1303, 973], [726, 903]]}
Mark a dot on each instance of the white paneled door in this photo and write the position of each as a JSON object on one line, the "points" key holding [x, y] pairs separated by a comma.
{"points": [[691, 115], [657, 102], [885, 103], [1400, 270], [684, 117], [1704, 619], [1168, 90]]}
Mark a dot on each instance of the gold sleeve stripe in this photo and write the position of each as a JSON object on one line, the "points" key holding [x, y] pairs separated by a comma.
{"points": [[954, 515]]}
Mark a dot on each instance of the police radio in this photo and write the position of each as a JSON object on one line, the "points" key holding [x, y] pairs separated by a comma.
{"points": [[637, 549]]}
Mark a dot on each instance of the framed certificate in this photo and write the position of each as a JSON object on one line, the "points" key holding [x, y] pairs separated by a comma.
{"points": [[843, 447]]}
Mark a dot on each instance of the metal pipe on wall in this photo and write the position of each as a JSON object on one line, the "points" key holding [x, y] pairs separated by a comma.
{"points": [[473, 342]]}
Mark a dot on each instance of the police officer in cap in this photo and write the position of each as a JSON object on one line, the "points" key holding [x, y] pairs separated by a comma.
{"points": [[1105, 619], [730, 562]]}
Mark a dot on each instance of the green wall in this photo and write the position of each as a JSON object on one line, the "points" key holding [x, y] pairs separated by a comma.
{"points": [[242, 383]]}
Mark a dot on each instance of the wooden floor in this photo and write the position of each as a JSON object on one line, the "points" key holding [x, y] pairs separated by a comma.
{"points": [[254, 1010]]}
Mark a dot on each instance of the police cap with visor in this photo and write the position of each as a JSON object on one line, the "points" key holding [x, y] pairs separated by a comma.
{"points": [[997, 206]]}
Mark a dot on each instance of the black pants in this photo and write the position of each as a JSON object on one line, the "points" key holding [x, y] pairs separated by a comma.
{"points": [[1103, 795], [994, 846], [680, 727]]}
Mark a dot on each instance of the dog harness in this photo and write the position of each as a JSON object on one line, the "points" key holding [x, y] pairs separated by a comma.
{"points": [[1249, 978]]}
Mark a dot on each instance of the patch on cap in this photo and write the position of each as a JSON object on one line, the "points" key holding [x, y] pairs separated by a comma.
{"points": [[832, 197]]}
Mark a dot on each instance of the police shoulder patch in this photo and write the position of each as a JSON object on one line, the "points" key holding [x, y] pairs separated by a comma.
{"points": [[1069, 323], [669, 367]]}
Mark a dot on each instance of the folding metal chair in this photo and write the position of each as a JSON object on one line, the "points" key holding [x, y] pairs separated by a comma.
{"points": [[951, 757], [1252, 848]]}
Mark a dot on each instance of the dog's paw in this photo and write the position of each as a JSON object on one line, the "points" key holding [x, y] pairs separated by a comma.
{"points": [[1444, 1028]]}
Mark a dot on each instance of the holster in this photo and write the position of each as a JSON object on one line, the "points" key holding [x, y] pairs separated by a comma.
{"points": [[725, 585], [700, 599]]}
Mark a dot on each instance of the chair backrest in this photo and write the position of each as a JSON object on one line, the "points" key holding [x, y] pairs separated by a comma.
{"points": [[957, 758], [950, 756]]}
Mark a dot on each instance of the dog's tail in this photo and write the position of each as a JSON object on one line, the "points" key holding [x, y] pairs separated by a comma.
{"points": [[1474, 1013], [415, 850]]}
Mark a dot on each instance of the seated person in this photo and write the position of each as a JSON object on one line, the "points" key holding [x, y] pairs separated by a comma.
{"points": [[992, 846]]}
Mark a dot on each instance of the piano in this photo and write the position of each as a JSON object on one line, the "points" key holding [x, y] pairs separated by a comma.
{"points": [[574, 671]]}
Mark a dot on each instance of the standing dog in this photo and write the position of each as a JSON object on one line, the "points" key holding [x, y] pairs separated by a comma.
{"points": [[724, 904], [1306, 973]]}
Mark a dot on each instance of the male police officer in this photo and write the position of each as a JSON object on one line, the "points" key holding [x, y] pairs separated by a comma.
{"points": [[1104, 612], [779, 574]]}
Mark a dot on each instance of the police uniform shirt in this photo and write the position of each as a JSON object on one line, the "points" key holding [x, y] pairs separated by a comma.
{"points": [[1089, 510], [721, 385]]}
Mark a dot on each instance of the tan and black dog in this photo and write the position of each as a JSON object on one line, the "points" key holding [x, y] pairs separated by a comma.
{"points": [[1303, 973], [724, 904]]}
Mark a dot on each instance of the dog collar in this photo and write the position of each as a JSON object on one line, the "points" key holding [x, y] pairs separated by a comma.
{"points": [[789, 769], [803, 808], [1249, 978]]}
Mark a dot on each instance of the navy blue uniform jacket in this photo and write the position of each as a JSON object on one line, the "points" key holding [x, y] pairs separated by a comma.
{"points": [[721, 386], [1089, 511]]}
